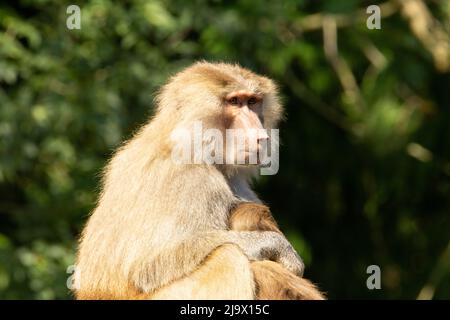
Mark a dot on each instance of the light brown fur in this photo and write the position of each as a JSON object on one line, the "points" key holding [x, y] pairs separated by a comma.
{"points": [[160, 230], [272, 280]]}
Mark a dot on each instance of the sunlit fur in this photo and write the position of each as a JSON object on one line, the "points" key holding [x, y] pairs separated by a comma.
{"points": [[272, 280], [139, 242]]}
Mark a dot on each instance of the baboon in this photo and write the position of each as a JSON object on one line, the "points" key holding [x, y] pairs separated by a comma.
{"points": [[168, 230]]}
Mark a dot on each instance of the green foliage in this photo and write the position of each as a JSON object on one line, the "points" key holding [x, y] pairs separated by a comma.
{"points": [[364, 175]]}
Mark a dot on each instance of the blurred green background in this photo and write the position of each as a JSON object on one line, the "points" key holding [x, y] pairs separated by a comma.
{"points": [[365, 164]]}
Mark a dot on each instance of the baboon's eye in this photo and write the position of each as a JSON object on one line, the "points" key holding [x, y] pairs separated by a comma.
{"points": [[251, 101], [234, 101]]}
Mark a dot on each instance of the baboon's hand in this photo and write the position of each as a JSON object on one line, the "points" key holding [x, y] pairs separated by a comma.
{"points": [[290, 259], [270, 245]]}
